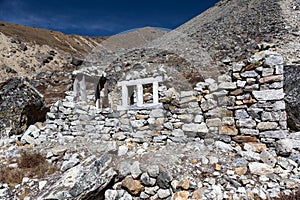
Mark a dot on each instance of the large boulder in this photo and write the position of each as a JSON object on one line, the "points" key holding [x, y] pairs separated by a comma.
{"points": [[292, 95], [20, 106], [87, 180]]}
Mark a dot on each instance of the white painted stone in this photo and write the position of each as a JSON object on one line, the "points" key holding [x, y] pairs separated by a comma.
{"points": [[69, 104], [279, 69], [42, 184], [241, 84], [30, 129], [50, 115], [249, 74]]}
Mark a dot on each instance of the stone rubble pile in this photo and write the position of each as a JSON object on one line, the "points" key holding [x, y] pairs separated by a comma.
{"points": [[191, 170]]}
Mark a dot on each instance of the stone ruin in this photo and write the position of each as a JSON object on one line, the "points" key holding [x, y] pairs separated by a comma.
{"points": [[229, 129], [246, 104]]}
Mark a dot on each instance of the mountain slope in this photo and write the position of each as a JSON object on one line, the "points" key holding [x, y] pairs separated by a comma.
{"points": [[233, 29], [74, 44]]}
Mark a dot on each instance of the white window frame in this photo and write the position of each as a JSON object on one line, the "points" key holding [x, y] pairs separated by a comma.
{"points": [[140, 93]]}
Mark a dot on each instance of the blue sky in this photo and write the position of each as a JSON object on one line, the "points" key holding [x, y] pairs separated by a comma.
{"points": [[99, 18]]}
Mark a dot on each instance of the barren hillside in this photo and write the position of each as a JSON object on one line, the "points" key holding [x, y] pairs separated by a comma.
{"points": [[74, 44]]}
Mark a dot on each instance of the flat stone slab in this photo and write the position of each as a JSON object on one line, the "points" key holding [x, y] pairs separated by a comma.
{"points": [[269, 95]]}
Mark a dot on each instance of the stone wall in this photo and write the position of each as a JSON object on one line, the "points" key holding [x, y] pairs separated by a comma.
{"points": [[246, 105], [248, 102]]}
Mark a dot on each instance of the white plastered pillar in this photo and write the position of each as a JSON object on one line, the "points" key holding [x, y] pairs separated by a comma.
{"points": [[140, 95], [83, 89], [155, 92], [124, 95]]}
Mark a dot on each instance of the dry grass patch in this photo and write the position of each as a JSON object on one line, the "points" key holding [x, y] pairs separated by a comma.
{"points": [[294, 196], [32, 165], [12, 176]]}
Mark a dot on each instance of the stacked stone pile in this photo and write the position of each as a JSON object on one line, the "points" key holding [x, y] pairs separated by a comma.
{"points": [[226, 139]]}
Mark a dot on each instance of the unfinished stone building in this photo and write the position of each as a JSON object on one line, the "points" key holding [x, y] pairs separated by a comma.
{"points": [[159, 101]]}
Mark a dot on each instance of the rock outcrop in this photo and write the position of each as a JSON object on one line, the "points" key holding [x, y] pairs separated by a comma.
{"points": [[292, 98], [20, 106]]}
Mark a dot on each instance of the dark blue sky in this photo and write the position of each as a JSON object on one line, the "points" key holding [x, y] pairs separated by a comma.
{"points": [[99, 18]]}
